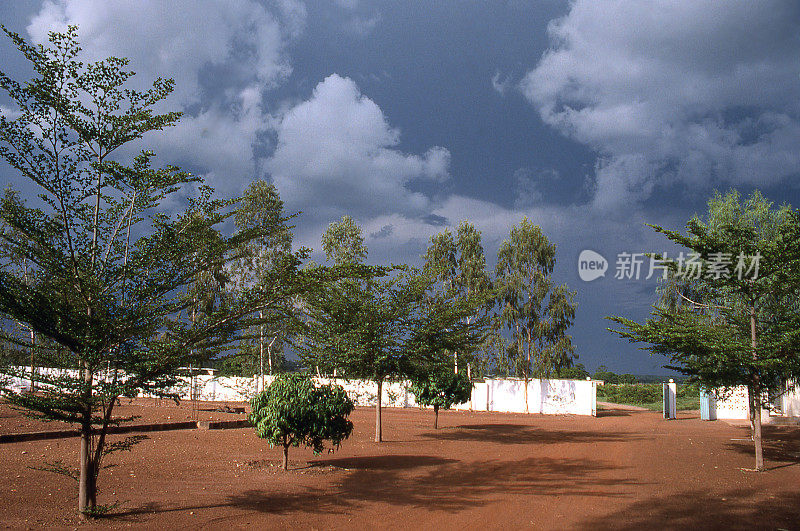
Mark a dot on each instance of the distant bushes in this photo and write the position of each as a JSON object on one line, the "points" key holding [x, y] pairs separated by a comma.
{"points": [[639, 394], [629, 393], [602, 373]]}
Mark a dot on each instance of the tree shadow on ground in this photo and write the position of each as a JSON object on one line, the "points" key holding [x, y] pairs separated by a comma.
{"points": [[736, 509], [449, 487], [423, 481], [613, 413], [780, 444], [521, 434], [383, 462]]}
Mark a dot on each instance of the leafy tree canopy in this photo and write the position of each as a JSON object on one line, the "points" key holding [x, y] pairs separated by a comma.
{"points": [[343, 242], [127, 291], [293, 411], [532, 307], [457, 266], [728, 313], [442, 389]]}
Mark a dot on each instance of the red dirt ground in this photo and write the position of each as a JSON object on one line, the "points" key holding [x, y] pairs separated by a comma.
{"points": [[145, 410], [624, 469]]}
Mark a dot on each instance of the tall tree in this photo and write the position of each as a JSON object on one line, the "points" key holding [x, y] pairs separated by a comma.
{"points": [[356, 330], [729, 313], [261, 208], [379, 323], [343, 242], [10, 258], [114, 268], [536, 310], [386, 328], [459, 267]]}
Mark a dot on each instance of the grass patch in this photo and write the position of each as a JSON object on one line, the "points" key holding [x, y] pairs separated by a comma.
{"points": [[682, 403], [648, 395]]}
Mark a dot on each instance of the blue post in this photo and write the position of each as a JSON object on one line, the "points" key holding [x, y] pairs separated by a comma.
{"points": [[670, 406], [708, 405]]}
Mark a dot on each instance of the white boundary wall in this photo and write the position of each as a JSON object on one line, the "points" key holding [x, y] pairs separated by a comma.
{"points": [[791, 402], [549, 397], [734, 405]]}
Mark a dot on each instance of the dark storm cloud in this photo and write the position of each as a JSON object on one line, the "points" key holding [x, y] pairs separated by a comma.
{"points": [[695, 92], [626, 109]]}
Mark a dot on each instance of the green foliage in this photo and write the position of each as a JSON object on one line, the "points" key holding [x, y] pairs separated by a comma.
{"points": [[443, 389], [602, 373], [633, 394], [123, 290], [238, 365], [376, 323], [533, 308], [343, 242], [688, 391], [357, 327], [574, 372], [383, 328], [644, 394], [731, 331], [457, 267], [261, 209], [292, 411], [735, 327], [379, 322]]}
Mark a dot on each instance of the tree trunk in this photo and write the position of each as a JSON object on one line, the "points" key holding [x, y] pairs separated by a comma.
{"points": [[378, 431], [261, 350], [526, 391], [285, 454], [33, 360], [192, 380], [527, 368], [757, 436], [269, 354], [85, 496], [87, 488], [435, 417], [33, 334], [755, 395]]}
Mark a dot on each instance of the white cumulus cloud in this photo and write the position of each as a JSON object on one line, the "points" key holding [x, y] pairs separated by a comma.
{"points": [[337, 154], [702, 92], [179, 39], [224, 57]]}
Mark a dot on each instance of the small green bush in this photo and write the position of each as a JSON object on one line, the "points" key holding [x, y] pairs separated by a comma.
{"points": [[442, 388], [292, 411]]}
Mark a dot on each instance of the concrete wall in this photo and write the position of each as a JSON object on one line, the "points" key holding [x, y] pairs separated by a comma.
{"points": [[791, 401], [549, 397], [733, 404]]}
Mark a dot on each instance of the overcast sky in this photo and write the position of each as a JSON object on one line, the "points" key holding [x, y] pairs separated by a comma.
{"points": [[590, 118]]}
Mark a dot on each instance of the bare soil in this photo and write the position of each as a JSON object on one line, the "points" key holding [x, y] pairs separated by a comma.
{"points": [[624, 469], [138, 411]]}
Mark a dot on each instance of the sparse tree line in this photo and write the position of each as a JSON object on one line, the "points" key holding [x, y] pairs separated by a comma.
{"points": [[99, 275], [730, 330]]}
